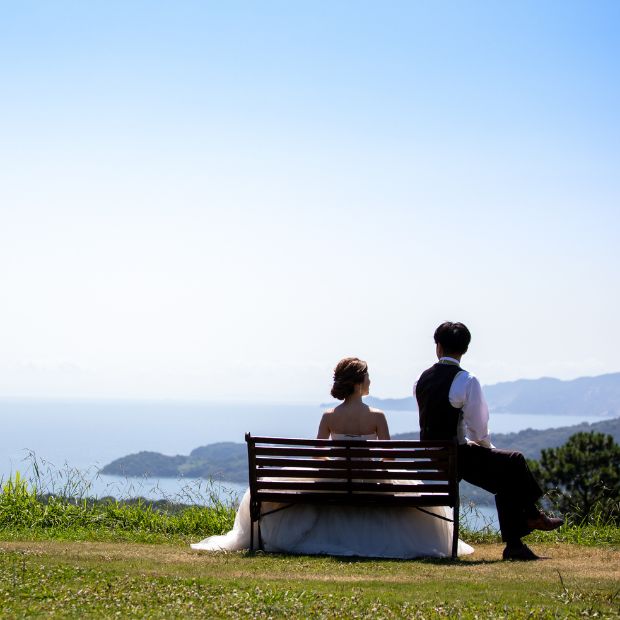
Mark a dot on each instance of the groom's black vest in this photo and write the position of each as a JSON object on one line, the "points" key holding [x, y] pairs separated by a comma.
{"points": [[438, 418]]}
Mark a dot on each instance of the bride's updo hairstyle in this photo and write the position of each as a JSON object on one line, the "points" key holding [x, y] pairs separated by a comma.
{"points": [[349, 372]]}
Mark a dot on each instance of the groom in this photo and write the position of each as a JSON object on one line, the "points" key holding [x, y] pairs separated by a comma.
{"points": [[452, 406]]}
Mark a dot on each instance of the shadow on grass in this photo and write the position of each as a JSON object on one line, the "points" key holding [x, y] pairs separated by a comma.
{"points": [[356, 559]]}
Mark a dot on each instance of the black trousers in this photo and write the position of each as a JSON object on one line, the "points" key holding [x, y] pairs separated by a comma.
{"points": [[506, 475]]}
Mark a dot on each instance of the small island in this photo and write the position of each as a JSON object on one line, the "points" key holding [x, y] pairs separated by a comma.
{"points": [[220, 461]]}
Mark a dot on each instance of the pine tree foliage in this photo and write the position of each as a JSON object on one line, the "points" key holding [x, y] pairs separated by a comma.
{"points": [[584, 475]]}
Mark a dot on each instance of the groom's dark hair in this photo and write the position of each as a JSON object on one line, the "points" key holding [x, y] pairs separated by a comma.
{"points": [[453, 337]]}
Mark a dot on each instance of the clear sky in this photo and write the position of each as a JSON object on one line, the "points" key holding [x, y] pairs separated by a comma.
{"points": [[219, 200]]}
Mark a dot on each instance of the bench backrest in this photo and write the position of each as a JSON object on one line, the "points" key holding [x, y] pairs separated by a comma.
{"points": [[352, 471]]}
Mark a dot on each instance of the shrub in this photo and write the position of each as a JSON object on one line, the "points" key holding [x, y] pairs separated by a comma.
{"points": [[582, 477]]}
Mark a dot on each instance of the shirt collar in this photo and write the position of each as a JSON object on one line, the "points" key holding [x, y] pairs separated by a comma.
{"points": [[449, 360]]}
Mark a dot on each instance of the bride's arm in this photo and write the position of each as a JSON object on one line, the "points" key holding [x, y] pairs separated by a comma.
{"points": [[383, 432], [324, 432]]}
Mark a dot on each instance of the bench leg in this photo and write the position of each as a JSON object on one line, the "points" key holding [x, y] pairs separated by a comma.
{"points": [[455, 532], [254, 519]]}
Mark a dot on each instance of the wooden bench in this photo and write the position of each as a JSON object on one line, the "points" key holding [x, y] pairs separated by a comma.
{"points": [[351, 473]]}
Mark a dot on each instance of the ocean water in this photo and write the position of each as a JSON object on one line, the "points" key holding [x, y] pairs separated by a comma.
{"points": [[79, 437], [87, 433]]}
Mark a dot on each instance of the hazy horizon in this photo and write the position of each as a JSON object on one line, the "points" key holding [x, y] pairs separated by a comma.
{"points": [[206, 400]]}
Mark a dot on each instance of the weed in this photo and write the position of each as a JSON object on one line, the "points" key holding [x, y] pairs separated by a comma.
{"points": [[22, 507]]}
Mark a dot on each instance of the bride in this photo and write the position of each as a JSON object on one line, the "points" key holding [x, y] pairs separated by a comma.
{"points": [[383, 532]]}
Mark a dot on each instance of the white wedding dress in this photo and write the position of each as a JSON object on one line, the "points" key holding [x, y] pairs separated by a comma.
{"points": [[373, 531]]}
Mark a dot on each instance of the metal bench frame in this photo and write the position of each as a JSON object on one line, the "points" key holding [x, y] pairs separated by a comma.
{"points": [[352, 472]]}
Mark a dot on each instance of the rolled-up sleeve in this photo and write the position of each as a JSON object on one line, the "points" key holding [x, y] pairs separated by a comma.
{"points": [[466, 393]]}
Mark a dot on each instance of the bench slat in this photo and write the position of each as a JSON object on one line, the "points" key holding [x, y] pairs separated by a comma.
{"points": [[354, 452], [382, 443], [414, 465], [270, 472], [342, 486], [356, 499]]}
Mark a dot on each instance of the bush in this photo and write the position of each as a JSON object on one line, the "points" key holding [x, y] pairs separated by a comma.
{"points": [[582, 477]]}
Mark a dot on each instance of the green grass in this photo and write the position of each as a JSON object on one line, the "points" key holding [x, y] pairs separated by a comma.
{"points": [[105, 580], [24, 512], [596, 532], [22, 509], [64, 556], [591, 535]]}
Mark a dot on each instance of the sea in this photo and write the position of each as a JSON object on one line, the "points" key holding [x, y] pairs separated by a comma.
{"points": [[62, 444]]}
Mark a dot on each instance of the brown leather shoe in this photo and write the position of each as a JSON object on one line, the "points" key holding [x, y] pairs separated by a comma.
{"points": [[544, 523], [521, 553]]}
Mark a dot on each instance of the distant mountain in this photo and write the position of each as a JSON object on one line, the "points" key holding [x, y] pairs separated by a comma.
{"points": [[228, 460], [586, 396]]}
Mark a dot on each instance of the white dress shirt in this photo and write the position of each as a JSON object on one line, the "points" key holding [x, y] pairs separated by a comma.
{"points": [[466, 394]]}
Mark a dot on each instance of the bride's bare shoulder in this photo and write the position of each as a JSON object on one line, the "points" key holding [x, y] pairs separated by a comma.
{"points": [[376, 411]]}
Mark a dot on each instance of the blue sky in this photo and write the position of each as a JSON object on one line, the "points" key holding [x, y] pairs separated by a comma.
{"points": [[220, 200]]}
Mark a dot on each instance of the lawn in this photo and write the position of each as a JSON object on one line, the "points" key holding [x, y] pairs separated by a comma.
{"points": [[56, 578], [70, 557]]}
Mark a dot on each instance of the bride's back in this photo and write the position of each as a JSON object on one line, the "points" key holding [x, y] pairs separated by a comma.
{"points": [[355, 419]]}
